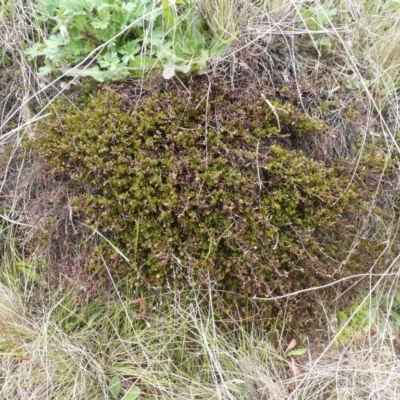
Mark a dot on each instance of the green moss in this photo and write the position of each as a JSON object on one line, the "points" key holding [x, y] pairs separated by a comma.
{"points": [[239, 205]]}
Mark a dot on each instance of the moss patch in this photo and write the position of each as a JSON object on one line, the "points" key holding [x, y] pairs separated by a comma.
{"points": [[207, 186]]}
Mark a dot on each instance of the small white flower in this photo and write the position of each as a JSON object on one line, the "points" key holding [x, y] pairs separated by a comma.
{"points": [[169, 71], [64, 32]]}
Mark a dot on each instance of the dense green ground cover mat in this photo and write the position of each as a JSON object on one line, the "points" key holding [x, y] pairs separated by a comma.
{"points": [[206, 186]]}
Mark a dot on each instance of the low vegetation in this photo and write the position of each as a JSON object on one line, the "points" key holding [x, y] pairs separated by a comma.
{"points": [[199, 199], [242, 207]]}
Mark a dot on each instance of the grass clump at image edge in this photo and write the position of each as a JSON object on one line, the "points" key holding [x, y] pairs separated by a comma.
{"points": [[237, 205]]}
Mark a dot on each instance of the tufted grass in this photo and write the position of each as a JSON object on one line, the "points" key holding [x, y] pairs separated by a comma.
{"points": [[58, 348]]}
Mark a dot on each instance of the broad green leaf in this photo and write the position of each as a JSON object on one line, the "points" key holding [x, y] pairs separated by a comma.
{"points": [[297, 352], [142, 62], [114, 386], [132, 394]]}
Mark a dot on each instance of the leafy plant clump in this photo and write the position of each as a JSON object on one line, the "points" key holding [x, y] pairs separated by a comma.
{"points": [[237, 205], [124, 38]]}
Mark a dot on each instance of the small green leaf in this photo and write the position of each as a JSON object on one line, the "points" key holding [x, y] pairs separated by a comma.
{"points": [[35, 50], [75, 47], [324, 41], [54, 41], [46, 70], [297, 352], [110, 60], [129, 51], [132, 394], [99, 23], [114, 386], [396, 317]]}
